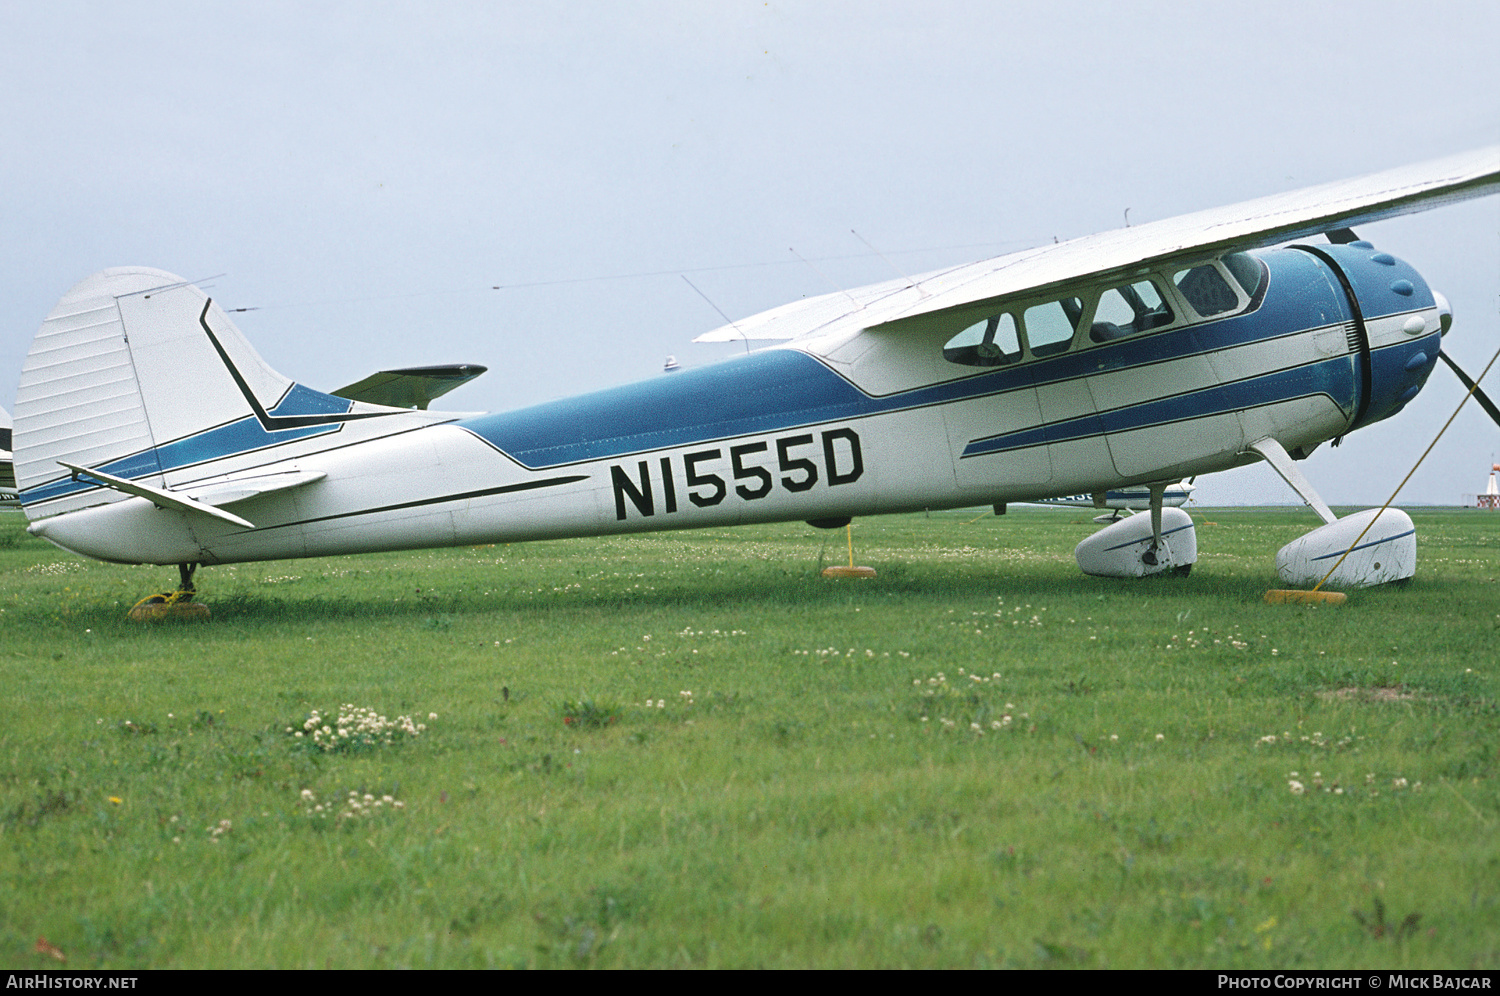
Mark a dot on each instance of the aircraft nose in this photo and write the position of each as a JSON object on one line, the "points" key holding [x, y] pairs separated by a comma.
{"points": [[1445, 311]]}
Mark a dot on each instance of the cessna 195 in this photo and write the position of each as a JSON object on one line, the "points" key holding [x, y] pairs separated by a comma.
{"points": [[147, 430]]}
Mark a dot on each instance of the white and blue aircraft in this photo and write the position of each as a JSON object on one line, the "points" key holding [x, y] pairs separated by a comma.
{"points": [[147, 430]]}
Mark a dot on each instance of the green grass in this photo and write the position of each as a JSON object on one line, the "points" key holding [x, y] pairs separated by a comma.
{"points": [[762, 767]]}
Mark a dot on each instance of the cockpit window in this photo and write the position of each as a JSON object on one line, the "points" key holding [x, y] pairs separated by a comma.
{"points": [[986, 343], [1248, 270], [1129, 309], [1050, 327], [1205, 288]]}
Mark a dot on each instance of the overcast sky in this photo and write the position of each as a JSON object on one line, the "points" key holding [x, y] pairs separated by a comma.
{"points": [[365, 173]]}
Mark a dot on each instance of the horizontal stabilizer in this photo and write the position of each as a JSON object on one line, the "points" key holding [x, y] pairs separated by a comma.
{"points": [[160, 497], [413, 387], [227, 492]]}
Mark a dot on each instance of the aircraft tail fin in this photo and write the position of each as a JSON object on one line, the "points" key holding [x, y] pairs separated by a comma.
{"points": [[139, 375]]}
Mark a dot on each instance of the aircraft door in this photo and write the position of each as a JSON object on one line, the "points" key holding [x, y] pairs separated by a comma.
{"points": [[1159, 398], [1075, 436], [994, 424]]}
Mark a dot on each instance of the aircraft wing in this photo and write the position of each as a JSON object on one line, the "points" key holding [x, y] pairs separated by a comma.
{"points": [[413, 387], [1249, 225]]}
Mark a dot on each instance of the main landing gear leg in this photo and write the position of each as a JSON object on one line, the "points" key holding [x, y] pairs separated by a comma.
{"points": [[1158, 492]]}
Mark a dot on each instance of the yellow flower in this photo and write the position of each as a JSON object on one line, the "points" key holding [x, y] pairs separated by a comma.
{"points": [[116, 800]]}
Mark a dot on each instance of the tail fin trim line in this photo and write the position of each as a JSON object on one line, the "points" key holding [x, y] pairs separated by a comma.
{"points": [[271, 422]]}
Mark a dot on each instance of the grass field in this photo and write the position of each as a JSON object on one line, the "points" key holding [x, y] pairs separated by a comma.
{"points": [[690, 750]]}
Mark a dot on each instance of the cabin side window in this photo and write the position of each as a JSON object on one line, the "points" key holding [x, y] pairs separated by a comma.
{"points": [[987, 343], [1129, 309], [1211, 290], [1050, 327]]}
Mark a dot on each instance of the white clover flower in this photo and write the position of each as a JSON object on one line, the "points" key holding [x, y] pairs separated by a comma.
{"points": [[308, 794], [1297, 787], [1160, 737]]}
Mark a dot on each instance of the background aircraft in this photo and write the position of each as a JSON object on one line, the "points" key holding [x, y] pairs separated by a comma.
{"points": [[8, 495], [1123, 501], [148, 430]]}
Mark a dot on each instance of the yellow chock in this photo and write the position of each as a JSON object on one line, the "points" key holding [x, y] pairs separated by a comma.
{"points": [[167, 605], [850, 571], [1286, 596]]}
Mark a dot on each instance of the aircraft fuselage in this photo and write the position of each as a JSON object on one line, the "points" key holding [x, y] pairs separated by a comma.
{"points": [[1320, 341]]}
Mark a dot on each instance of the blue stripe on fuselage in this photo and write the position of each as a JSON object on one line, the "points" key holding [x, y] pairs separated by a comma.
{"points": [[1334, 378]]}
